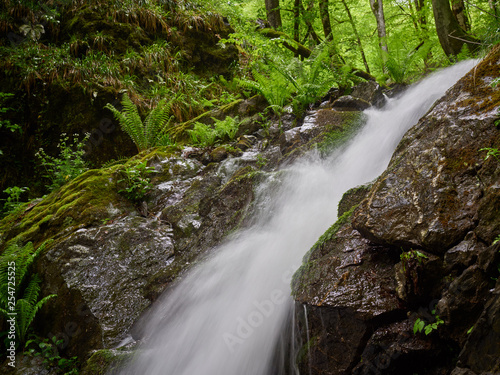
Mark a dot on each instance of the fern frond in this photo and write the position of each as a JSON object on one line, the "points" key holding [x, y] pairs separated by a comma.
{"points": [[157, 122], [31, 292], [24, 312], [130, 121]]}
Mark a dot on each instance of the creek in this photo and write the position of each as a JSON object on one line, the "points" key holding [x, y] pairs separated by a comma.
{"points": [[229, 313]]}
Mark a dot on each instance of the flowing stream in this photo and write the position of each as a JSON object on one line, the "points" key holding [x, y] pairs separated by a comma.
{"points": [[227, 315]]}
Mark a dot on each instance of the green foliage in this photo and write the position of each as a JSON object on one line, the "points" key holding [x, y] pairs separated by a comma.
{"points": [[274, 86], [261, 161], [421, 325], [136, 181], [152, 132], [19, 287], [12, 203], [205, 135], [68, 165], [3, 122], [32, 31], [47, 349], [497, 239], [412, 254], [491, 151]]}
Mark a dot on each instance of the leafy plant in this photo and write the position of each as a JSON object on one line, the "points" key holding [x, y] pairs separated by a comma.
{"points": [[420, 325], [137, 183], [273, 85], [261, 161], [32, 31], [206, 135], [4, 123], [145, 134], [490, 151], [202, 135], [497, 239], [12, 203], [47, 349], [68, 165], [19, 288]]}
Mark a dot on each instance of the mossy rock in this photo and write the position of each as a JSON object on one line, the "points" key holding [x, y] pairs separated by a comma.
{"points": [[105, 361]]}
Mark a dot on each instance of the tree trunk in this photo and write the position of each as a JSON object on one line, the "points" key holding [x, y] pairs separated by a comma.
{"points": [[493, 6], [355, 30], [451, 36], [458, 9], [296, 21], [273, 13], [424, 30], [378, 10], [324, 13], [310, 28]]}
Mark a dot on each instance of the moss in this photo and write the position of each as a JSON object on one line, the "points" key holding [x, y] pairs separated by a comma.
{"points": [[307, 262], [103, 361], [474, 84], [330, 232], [83, 201], [340, 126]]}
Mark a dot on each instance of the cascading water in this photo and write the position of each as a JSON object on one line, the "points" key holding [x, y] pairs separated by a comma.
{"points": [[226, 316]]}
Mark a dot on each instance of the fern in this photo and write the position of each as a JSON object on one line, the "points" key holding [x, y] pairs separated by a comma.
{"points": [[273, 86], [148, 134], [203, 135], [25, 289]]}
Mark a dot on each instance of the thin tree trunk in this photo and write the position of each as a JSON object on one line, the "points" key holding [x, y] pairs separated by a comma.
{"points": [[355, 30], [451, 36], [296, 21], [424, 30], [324, 13], [493, 6], [378, 11], [310, 28], [273, 13], [458, 9]]}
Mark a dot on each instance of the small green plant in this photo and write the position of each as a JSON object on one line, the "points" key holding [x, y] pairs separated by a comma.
{"points": [[261, 161], [420, 324], [12, 203], [151, 132], [497, 239], [136, 181], [68, 165], [19, 287], [205, 135], [4, 123], [47, 349], [202, 135], [412, 254], [491, 151]]}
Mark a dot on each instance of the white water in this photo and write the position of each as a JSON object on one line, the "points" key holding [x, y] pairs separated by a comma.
{"points": [[227, 315]]}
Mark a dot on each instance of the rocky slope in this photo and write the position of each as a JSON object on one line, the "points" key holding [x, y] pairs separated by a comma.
{"points": [[110, 258], [418, 244]]}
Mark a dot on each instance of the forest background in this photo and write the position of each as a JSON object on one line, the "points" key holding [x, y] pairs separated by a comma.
{"points": [[63, 61]]}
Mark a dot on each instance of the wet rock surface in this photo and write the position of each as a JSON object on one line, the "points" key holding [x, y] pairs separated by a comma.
{"points": [[417, 248], [111, 257]]}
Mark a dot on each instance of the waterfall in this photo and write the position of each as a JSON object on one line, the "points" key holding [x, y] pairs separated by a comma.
{"points": [[227, 315]]}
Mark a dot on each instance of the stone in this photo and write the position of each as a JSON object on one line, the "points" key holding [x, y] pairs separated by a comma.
{"points": [[350, 103], [430, 196], [371, 92], [481, 352]]}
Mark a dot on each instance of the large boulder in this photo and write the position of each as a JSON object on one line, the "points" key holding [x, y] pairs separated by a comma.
{"points": [[415, 254]]}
